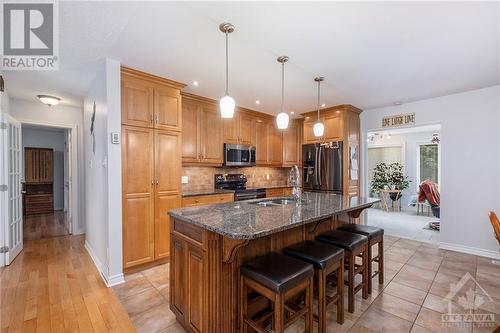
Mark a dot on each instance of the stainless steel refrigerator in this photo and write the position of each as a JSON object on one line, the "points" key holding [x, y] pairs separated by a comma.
{"points": [[322, 167]]}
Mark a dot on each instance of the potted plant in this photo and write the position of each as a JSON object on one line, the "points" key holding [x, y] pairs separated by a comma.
{"points": [[380, 178], [397, 180]]}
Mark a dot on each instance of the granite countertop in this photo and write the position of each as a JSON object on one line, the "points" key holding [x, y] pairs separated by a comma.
{"points": [[204, 191], [247, 220]]}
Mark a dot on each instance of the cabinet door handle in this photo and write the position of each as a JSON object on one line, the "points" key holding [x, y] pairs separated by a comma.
{"points": [[152, 118], [152, 182], [157, 182], [157, 118]]}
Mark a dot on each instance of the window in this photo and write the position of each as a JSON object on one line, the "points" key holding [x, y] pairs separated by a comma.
{"points": [[428, 160]]}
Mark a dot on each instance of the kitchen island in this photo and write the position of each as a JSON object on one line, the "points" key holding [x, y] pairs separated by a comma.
{"points": [[209, 243]]}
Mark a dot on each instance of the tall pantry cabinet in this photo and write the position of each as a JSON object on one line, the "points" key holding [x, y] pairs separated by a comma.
{"points": [[151, 164]]}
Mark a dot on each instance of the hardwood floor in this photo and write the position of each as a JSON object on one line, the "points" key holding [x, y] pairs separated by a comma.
{"points": [[45, 225], [53, 286]]}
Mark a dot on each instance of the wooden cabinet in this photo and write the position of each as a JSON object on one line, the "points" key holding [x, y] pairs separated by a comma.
{"points": [[38, 165], [292, 144], [138, 195], [201, 200], [341, 124], [202, 132], [261, 143], [151, 164], [187, 291], [240, 129], [269, 144], [278, 192], [150, 101]]}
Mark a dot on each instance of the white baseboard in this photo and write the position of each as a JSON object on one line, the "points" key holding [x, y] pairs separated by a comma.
{"points": [[470, 250], [103, 271]]}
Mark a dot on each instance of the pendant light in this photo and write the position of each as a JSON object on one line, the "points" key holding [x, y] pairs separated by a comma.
{"points": [[282, 119], [227, 103], [319, 128]]}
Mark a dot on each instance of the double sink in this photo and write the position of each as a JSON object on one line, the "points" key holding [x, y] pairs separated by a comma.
{"points": [[279, 202]]}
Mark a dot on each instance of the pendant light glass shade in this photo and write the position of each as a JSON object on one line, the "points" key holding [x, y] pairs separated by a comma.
{"points": [[282, 119], [318, 129], [227, 105]]}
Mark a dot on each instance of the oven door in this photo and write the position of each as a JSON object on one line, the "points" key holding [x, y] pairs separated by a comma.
{"points": [[239, 155]]}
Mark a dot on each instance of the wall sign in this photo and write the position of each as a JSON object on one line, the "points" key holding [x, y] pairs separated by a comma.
{"points": [[399, 120]]}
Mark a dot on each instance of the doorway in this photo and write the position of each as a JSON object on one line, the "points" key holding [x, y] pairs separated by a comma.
{"points": [[404, 171], [45, 175]]}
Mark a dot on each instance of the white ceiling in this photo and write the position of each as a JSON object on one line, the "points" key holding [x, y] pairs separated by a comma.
{"points": [[372, 54]]}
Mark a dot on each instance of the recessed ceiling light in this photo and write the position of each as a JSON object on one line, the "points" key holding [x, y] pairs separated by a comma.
{"points": [[398, 103], [291, 112], [49, 100], [257, 102], [323, 105], [196, 83]]}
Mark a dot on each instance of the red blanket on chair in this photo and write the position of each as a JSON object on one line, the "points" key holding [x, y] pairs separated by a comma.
{"points": [[428, 190]]}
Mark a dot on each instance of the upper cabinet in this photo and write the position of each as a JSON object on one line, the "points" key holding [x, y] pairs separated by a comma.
{"points": [[202, 131], [150, 101], [292, 144], [240, 129], [333, 123]]}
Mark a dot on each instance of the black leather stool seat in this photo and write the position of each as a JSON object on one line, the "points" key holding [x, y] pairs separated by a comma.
{"points": [[365, 230], [346, 240], [320, 255], [277, 272]]}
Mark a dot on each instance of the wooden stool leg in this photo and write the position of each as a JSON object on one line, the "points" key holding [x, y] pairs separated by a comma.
{"points": [[365, 273], [369, 268], [381, 261], [350, 282], [321, 301], [340, 292], [279, 314], [243, 305], [309, 305]]}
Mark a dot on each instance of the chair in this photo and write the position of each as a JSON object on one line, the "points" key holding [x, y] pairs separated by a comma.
{"points": [[278, 278]]}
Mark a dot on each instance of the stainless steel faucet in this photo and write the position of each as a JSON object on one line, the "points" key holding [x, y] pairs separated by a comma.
{"points": [[294, 180]]}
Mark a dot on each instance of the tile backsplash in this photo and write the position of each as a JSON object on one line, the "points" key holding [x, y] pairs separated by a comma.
{"points": [[203, 177]]}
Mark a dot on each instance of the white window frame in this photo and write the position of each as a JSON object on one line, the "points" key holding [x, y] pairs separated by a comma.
{"points": [[418, 161]]}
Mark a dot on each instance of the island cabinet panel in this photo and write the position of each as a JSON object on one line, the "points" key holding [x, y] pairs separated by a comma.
{"points": [[138, 195], [202, 132], [151, 164], [195, 288], [178, 277]]}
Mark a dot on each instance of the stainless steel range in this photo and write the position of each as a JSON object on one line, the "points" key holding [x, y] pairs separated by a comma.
{"points": [[237, 182]]}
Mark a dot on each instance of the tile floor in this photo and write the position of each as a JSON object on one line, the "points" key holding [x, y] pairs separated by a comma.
{"points": [[406, 224], [417, 278]]}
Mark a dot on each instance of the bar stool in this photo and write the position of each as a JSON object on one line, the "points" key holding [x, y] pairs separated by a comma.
{"points": [[326, 259], [354, 245], [278, 278], [375, 237]]}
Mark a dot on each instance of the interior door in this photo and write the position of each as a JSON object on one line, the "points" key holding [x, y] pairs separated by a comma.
{"points": [[67, 181], [12, 217]]}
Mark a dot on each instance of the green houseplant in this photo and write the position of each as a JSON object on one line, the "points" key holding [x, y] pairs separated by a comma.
{"points": [[397, 180], [389, 176]]}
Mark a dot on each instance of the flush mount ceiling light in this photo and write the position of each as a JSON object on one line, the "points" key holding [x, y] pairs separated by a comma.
{"points": [[49, 100], [319, 128], [282, 119], [227, 103]]}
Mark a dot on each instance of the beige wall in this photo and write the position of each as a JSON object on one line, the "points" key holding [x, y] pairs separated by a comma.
{"points": [[203, 177]]}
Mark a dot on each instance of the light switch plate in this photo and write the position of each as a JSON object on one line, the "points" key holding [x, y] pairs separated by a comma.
{"points": [[115, 138], [184, 179]]}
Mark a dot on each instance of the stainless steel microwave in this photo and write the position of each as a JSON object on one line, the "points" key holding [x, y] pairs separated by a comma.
{"points": [[239, 155]]}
